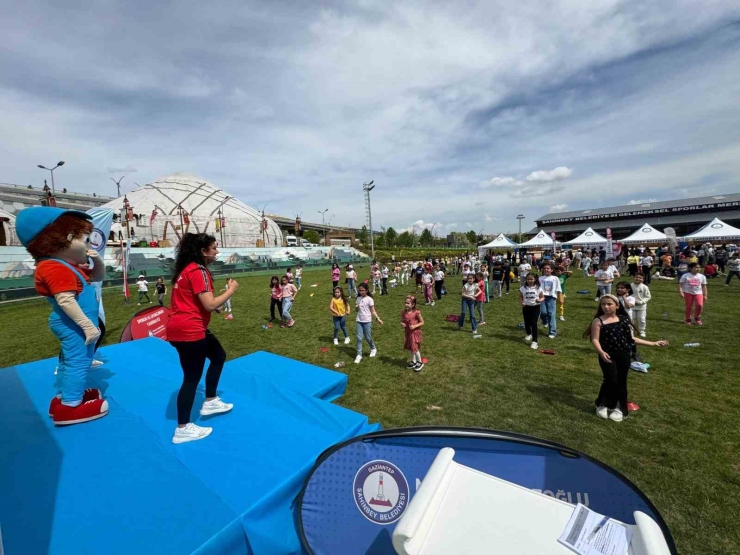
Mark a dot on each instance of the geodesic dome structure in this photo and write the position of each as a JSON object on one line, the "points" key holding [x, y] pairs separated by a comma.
{"points": [[169, 206], [7, 222]]}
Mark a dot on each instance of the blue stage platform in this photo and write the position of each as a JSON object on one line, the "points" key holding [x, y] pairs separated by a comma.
{"points": [[118, 485]]}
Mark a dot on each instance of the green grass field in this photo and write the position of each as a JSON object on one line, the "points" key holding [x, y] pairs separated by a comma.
{"points": [[682, 449]]}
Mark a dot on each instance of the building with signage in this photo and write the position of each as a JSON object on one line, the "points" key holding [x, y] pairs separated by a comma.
{"points": [[685, 216]]}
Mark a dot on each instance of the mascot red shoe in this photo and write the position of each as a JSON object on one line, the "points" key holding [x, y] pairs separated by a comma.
{"points": [[58, 240]]}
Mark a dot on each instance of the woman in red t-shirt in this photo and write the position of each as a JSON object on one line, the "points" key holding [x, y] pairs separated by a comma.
{"points": [[187, 331]]}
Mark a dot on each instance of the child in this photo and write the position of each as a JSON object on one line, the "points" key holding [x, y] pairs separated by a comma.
{"points": [[335, 273], [339, 308], [469, 293], [351, 278], [289, 274], [531, 297], [733, 268], [497, 278], [299, 276], [611, 335], [524, 269], [289, 293], [613, 268], [563, 276], [365, 307], [439, 281], [405, 273], [625, 297], [604, 279], [551, 288], [586, 265], [506, 266], [161, 291], [227, 305], [411, 322], [276, 297], [384, 277], [484, 271], [418, 273], [642, 298], [376, 279], [693, 288], [480, 298], [143, 286], [427, 281], [465, 272]]}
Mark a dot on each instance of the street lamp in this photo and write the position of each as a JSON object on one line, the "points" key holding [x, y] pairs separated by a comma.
{"points": [[60, 163], [367, 187], [322, 222], [118, 184], [520, 217]]}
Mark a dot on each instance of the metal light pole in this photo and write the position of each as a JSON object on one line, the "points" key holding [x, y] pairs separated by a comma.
{"points": [[520, 217], [367, 187], [323, 225], [118, 184], [60, 163]]}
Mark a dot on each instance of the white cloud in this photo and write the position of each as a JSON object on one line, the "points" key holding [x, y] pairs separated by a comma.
{"points": [[501, 182], [645, 201], [489, 218], [128, 169], [559, 208], [557, 174]]}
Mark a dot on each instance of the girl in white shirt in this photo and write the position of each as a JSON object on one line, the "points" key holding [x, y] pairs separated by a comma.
{"points": [[365, 313], [625, 297], [469, 292], [693, 289], [530, 297]]}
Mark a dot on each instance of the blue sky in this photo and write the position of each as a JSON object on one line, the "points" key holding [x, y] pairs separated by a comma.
{"points": [[465, 113]]}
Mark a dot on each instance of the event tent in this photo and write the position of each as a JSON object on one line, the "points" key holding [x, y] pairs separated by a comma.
{"points": [[714, 231], [588, 237], [500, 242], [542, 240], [646, 234]]}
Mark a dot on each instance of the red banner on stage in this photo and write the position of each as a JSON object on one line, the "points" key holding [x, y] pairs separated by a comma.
{"points": [[150, 322]]}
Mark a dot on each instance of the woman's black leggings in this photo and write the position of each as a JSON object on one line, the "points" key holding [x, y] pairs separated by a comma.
{"points": [[193, 355], [438, 288], [276, 303]]}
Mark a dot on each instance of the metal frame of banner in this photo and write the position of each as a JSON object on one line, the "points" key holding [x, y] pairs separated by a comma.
{"points": [[481, 433]]}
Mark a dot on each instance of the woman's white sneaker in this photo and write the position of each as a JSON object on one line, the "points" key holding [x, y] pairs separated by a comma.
{"points": [[602, 412], [191, 432], [336, 341], [534, 345], [346, 340], [528, 338], [215, 406], [373, 352]]}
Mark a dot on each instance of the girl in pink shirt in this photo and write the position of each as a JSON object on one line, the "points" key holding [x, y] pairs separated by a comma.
{"points": [[481, 298], [335, 273], [289, 293]]}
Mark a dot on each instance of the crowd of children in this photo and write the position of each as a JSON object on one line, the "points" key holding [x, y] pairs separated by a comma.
{"points": [[619, 325]]}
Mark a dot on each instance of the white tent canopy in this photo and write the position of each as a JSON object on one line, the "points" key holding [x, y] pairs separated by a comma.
{"points": [[715, 230], [500, 242], [542, 240], [588, 237], [646, 234]]}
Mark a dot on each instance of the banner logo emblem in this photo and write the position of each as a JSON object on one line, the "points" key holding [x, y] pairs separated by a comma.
{"points": [[381, 492]]}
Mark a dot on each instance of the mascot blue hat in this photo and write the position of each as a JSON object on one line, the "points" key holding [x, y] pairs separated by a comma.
{"points": [[32, 221]]}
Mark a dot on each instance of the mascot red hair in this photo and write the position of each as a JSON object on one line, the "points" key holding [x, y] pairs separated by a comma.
{"points": [[59, 240]]}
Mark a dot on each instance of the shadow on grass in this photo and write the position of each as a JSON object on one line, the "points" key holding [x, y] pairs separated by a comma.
{"points": [[559, 395]]}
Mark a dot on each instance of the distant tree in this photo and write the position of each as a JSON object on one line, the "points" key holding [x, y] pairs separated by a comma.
{"points": [[426, 238], [391, 237], [472, 237], [312, 236], [380, 238], [363, 236], [405, 240]]}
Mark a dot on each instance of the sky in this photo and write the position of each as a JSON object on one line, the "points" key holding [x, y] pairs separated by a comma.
{"points": [[465, 114]]}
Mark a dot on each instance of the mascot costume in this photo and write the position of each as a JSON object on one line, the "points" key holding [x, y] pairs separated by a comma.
{"points": [[58, 240]]}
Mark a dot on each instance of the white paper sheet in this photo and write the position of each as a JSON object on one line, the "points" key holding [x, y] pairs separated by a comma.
{"points": [[580, 535]]}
